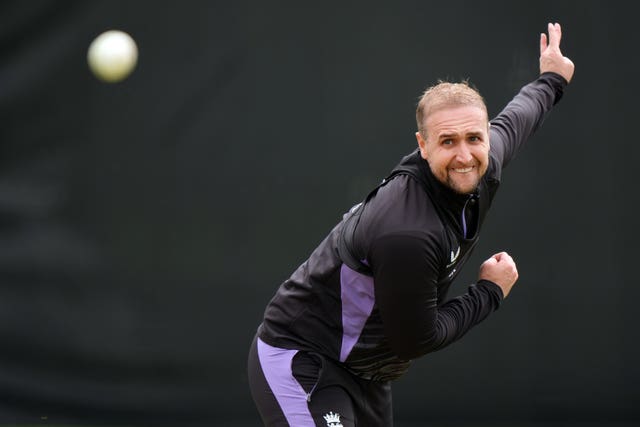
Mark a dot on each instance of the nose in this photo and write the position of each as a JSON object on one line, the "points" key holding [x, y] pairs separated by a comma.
{"points": [[463, 153]]}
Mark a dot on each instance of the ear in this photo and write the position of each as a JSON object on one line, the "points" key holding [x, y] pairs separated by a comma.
{"points": [[422, 144]]}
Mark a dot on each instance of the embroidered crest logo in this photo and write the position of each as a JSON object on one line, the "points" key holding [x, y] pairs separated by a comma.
{"points": [[333, 420]]}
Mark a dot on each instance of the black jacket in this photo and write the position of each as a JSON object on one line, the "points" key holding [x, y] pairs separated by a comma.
{"points": [[375, 297]]}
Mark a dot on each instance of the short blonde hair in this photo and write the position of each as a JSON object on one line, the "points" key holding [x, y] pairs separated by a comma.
{"points": [[445, 95]]}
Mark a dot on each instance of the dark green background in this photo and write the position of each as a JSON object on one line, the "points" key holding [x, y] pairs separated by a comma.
{"points": [[145, 225]]}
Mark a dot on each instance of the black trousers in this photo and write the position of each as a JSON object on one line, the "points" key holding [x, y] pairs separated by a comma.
{"points": [[304, 389]]}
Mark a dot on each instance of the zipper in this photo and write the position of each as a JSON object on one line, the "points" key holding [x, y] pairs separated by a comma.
{"points": [[320, 369]]}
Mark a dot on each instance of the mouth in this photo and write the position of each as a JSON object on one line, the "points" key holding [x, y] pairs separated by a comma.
{"points": [[463, 170]]}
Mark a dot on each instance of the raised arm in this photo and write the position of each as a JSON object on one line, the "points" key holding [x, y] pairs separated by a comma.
{"points": [[526, 112]]}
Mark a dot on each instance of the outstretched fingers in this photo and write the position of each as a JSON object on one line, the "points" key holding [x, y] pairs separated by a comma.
{"points": [[555, 35], [551, 57]]}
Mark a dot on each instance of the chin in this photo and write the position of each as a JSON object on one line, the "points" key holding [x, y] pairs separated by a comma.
{"points": [[463, 189]]}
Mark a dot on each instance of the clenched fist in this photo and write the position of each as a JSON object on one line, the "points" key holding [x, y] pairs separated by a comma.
{"points": [[501, 270]]}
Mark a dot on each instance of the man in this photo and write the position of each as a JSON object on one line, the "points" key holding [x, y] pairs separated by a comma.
{"points": [[372, 296]]}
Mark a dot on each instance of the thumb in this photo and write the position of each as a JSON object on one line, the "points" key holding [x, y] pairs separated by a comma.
{"points": [[492, 261], [543, 43], [501, 256]]}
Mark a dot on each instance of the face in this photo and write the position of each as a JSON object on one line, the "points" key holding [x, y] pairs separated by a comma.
{"points": [[457, 146]]}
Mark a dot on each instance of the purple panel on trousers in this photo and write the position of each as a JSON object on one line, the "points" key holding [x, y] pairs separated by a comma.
{"points": [[276, 365], [357, 295]]}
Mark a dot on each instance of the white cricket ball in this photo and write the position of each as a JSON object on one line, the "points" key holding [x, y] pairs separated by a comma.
{"points": [[112, 56]]}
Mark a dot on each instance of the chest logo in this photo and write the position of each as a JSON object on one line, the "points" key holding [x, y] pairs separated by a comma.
{"points": [[454, 257]]}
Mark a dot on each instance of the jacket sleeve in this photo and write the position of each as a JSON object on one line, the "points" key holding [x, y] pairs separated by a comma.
{"points": [[524, 115], [405, 276]]}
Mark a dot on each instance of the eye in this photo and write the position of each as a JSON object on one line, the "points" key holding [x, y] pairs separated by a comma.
{"points": [[475, 138], [448, 141]]}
